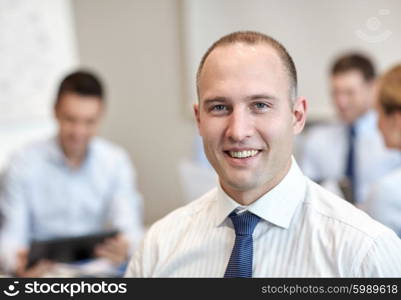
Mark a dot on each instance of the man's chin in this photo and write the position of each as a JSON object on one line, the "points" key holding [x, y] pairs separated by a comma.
{"points": [[347, 119], [241, 184], [76, 151]]}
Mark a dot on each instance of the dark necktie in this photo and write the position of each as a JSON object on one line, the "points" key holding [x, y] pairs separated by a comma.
{"points": [[350, 167], [240, 263]]}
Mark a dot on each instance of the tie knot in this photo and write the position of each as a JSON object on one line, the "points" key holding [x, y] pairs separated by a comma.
{"points": [[244, 223]]}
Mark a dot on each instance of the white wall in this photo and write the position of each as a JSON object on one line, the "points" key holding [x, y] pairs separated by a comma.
{"points": [[37, 47], [313, 31], [135, 45]]}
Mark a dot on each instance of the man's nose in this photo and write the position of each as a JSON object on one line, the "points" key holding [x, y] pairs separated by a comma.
{"points": [[240, 125]]}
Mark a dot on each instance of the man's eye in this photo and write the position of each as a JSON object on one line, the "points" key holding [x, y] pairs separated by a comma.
{"points": [[219, 107], [260, 106]]}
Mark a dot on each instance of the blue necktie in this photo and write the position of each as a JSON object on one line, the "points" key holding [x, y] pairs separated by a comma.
{"points": [[350, 167], [240, 263]]}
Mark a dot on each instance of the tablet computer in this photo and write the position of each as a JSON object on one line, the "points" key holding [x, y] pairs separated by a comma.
{"points": [[67, 249]]}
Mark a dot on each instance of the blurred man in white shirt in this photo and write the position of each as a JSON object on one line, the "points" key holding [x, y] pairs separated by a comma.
{"points": [[349, 155]]}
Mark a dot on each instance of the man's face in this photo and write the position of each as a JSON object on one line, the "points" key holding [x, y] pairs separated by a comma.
{"points": [[246, 118], [352, 95], [78, 118]]}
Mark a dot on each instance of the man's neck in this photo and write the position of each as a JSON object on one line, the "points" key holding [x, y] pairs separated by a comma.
{"points": [[245, 198], [74, 161]]}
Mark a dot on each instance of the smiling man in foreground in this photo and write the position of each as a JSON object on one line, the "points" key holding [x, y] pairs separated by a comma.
{"points": [[265, 218]]}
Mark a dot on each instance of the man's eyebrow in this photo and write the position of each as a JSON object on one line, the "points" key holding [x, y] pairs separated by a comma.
{"points": [[261, 96], [220, 99], [209, 101]]}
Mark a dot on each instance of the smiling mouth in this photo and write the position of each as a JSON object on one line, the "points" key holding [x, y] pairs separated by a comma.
{"points": [[242, 154]]}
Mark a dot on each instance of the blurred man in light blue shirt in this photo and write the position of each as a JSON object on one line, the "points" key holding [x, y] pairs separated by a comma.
{"points": [[351, 150], [70, 185]]}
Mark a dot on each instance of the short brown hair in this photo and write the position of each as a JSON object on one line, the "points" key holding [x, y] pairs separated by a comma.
{"points": [[252, 38], [81, 82], [389, 94], [354, 62]]}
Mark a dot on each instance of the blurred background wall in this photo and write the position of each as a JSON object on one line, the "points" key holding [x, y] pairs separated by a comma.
{"points": [[313, 32], [136, 46], [147, 53]]}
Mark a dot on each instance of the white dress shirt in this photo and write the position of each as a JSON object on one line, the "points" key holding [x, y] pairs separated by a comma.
{"points": [[384, 201], [44, 198], [304, 231], [324, 154]]}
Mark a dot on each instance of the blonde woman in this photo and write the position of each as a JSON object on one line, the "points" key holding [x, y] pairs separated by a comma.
{"points": [[384, 203]]}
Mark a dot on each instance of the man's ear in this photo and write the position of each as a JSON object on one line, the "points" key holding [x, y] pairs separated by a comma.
{"points": [[196, 114], [299, 114]]}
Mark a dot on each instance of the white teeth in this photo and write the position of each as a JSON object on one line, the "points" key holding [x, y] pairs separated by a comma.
{"points": [[243, 154]]}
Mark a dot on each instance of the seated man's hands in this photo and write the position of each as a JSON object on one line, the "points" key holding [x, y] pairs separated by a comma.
{"points": [[37, 270], [114, 249]]}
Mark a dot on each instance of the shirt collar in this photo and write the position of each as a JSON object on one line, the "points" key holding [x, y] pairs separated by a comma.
{"points": [[55, 152], [276, 206]]}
